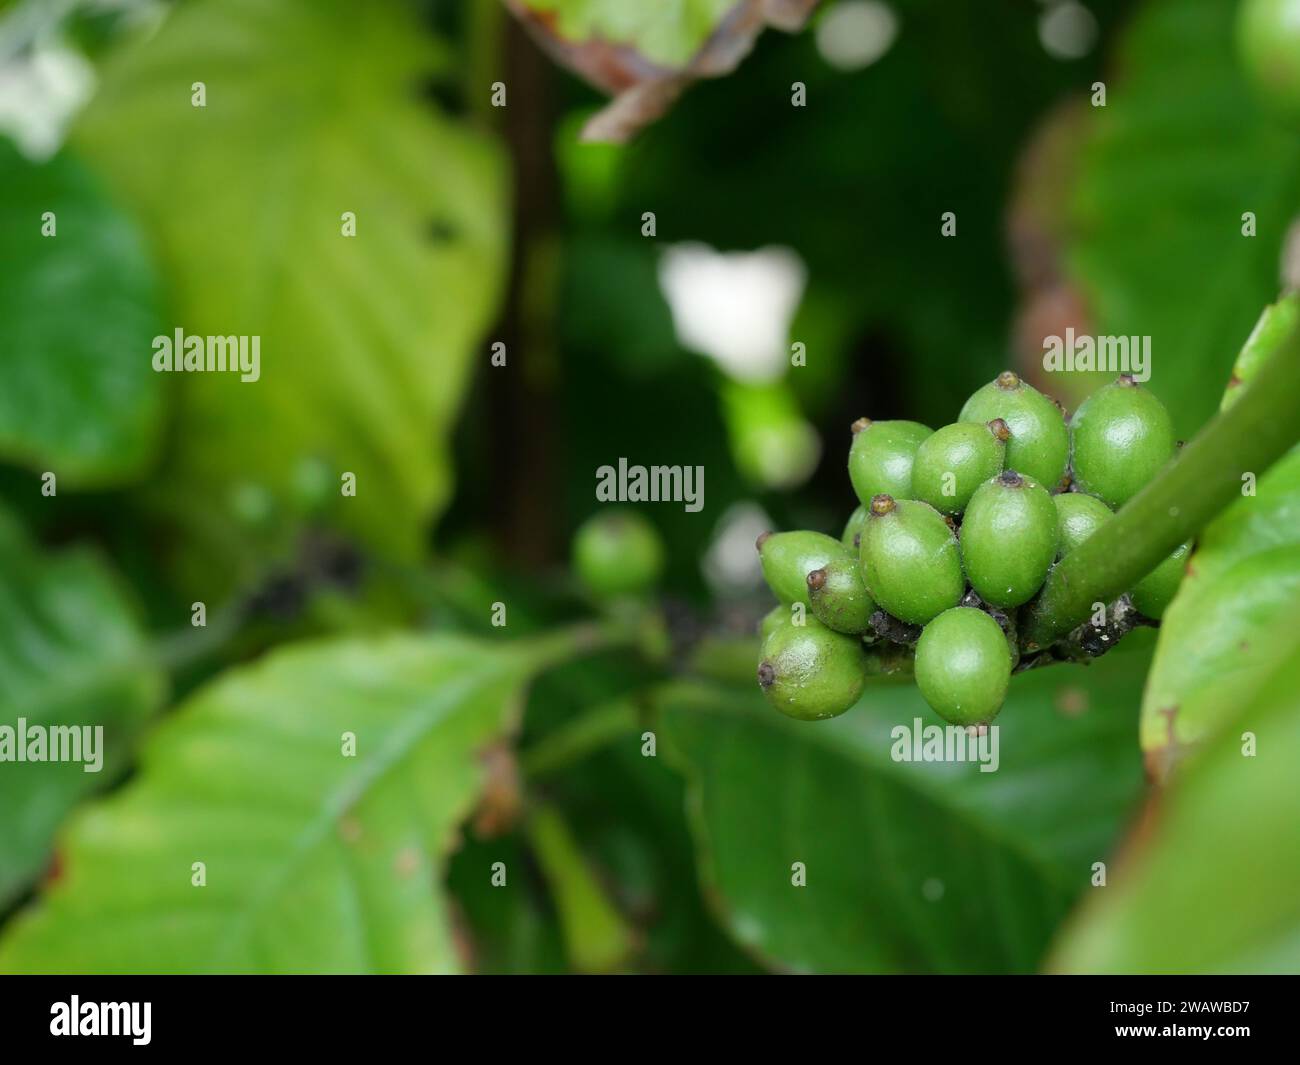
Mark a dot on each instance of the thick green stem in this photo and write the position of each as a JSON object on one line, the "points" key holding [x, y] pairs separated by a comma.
{"points": [[1205, 477]]}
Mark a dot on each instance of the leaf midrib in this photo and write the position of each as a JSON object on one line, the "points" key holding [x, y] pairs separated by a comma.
{"points": [[350, 790]]}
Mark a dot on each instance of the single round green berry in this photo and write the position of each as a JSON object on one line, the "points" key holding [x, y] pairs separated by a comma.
{"points": [[1154, 592], [957, 459], [1268, 41], [811, 672], [839, 597], [853, 528], [788, 557], [617, 553], [910, 562], [880, 460], [963, 666], [1040, 444], [1122, 435], [1078, 516], [1008, 539]]}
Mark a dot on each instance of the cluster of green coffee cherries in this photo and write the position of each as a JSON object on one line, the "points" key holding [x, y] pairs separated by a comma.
{"points": [[957, 530]]}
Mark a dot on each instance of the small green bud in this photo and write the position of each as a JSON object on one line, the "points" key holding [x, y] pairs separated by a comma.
{"points": [[1154, 592], [1008, 539], [788, 557], [617, 553], [1040, 444], [1078, 516], [963, 666], [810, 672], [839, 598], [1122, 436], [956, 460], [910, 562], [880, 460]]}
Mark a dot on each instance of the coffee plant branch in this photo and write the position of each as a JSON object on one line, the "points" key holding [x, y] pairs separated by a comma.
{"points": [[1202, 479]]}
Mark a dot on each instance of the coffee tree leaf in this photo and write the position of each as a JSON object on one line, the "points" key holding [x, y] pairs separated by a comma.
{"points": [[365, 341], [317, 856], [78, 398], [909, 865]]}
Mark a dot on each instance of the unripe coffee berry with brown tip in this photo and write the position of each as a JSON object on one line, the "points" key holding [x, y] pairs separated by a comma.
{"points": [[810, 672], [1121, 436], [881, 456], [956, 460], [839, 597], [1008, 539], [910, 562], [1039, 446], [788, 557]]}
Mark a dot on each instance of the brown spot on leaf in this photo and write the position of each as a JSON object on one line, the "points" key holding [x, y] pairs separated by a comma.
{"points": [[407, 862], [1071, 701]]}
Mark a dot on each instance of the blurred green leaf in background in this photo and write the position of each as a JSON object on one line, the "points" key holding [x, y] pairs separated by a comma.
{"points": [[320, 791], [72, 653], [79, 399], [366, 340]]}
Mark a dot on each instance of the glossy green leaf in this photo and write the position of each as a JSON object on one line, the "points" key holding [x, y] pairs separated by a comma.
{"points": [[1232, 620], [315, 860], [79, 307], [909, 865], [312, 110], [1181, 150], [72, 654], [1211, 884]]}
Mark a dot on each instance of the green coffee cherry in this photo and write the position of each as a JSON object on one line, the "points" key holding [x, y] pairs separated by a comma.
{"points": [[1039, 446], [788, 557], [853, 527], [810, 672], [880, 460], [910, 562], [617, 553], [1008, 539], [1154, 592], [1122, 435], [1268, 41], [839, 598], [963, 666], [1078, 516], [957, 459]]}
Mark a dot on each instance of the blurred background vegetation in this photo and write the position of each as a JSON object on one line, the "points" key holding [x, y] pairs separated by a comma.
{"points": [[774, 226]]}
